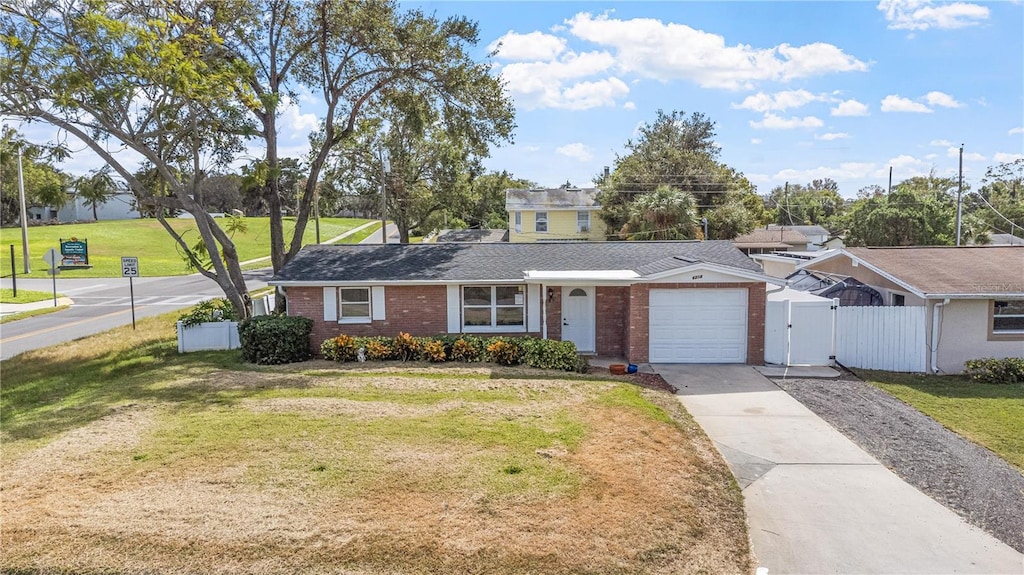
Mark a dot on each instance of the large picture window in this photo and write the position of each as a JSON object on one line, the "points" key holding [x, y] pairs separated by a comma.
{"points": [[354, 305], [1008, 317], [493, 308]]}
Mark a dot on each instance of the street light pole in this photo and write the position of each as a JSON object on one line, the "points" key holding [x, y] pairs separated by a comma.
{"points": [[24, 217], [959, 193]]}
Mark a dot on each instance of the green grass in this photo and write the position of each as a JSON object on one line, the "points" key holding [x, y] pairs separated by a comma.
{"points": [[987, 414], [31, 313], [147, 240], [24, 296]]}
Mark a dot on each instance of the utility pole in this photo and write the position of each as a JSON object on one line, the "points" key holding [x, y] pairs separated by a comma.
{"points": [[24, 217], [890, 179], [959, 194]]}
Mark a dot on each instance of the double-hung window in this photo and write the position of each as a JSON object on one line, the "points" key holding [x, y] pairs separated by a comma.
{"points": [[583, 222], [493, 308], [354, 305], [541, 222], [1008, 317], [518, 222]]}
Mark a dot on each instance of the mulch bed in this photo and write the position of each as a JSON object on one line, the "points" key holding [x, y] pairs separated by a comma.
{"points": [[969, 479], [647, 380]]}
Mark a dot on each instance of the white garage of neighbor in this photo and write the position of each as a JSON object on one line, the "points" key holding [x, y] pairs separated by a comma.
{"points": [[698, 326]]}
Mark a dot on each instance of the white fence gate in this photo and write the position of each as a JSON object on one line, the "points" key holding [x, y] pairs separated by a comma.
{"points": [[798, 329], [881, 337]]}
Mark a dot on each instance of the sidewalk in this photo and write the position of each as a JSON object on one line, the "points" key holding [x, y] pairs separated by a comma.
{"points": [[815, 501], [11, 308]]}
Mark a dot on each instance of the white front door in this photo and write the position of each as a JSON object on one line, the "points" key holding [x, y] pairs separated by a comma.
{"points": [[578, 317]]}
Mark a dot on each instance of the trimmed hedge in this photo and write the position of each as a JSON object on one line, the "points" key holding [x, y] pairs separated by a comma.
{"points": [[991, 370], [275, 339], [541, 353]]}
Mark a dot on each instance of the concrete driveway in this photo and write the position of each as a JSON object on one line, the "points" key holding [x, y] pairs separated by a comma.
{"points": [[817, 503]]}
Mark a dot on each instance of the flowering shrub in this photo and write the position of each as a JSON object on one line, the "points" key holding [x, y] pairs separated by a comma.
{"points": [[541, 353], [406, 347], [342, 348], [504, 352], [467, 350], [433, 351]]}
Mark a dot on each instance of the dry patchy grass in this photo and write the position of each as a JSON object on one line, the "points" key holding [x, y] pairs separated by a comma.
{"points": [[206, 466]]}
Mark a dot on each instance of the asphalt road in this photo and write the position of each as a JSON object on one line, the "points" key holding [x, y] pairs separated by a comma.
{"points": [[104, 303]]}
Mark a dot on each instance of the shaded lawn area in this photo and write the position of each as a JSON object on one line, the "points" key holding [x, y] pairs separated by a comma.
{"points": [[987, 414], [121, 455], [146, 239]]}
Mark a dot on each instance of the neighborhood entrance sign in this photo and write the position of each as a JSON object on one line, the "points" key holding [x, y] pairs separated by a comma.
{"points": [[75, 253]]}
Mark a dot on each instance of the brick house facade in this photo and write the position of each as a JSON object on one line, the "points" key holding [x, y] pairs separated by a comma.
{"points": [[618, 302]]}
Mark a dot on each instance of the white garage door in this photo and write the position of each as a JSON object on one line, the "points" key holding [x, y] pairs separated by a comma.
{"points": [[698, 326]]}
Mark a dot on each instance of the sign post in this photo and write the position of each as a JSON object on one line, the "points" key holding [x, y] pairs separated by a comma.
{"points": [[52, 257], [130, 269]]}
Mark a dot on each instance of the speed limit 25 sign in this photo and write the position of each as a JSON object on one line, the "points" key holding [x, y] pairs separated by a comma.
{"points": [[129, 267]]}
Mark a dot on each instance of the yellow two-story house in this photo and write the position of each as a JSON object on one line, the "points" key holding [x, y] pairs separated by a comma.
{"points": [[554, 215]]}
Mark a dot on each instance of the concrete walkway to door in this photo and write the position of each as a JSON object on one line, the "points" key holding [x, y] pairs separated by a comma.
{"points": [[817, 503]]}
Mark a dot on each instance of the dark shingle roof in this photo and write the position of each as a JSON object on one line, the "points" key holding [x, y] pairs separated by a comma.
{"points": [[499, 261]]}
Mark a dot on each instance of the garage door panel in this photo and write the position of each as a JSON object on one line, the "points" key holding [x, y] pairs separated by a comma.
{"points": [[698, 326]]}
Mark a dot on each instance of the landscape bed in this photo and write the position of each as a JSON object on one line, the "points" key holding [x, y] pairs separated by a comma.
{"points": [[120, 455]]}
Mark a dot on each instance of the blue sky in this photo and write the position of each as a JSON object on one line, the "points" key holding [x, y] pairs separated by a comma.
{"points": [[799, 90]]}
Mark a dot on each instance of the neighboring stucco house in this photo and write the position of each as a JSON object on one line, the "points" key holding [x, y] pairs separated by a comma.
{"points": [[765, 241], [549, 215], [782, 264], [973, 296], [671, 302], [119, 206]]}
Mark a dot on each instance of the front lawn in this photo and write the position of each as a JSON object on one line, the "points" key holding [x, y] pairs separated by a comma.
{"points": [[987, 414], [24, 296], [119, 455]]}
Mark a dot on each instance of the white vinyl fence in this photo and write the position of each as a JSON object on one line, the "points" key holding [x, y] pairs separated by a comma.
{"points": [[881, 337], [206, 336]]}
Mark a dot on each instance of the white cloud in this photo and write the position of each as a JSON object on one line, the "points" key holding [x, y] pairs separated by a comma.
{"points": [[577, 151], [940, 143], [526, 47], [1014, 131], [894, 103], [780, 101], [1003, 157], [832, 136], [850, 108], [667, 51], [845, 171], [629, 106], [540, 84], [931, 156], [954, 152], [296, 124], [773, 122], [586, 95], [941, 99], [532, 148], [755, 141], [922, 14]]}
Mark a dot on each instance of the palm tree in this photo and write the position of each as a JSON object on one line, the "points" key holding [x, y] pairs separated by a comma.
{"points": [[96, 188], [664, 214]]}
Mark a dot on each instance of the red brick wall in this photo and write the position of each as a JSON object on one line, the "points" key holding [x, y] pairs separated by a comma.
{"points": [[419, 310], [612, 307], [554, 311], [639, 303]]}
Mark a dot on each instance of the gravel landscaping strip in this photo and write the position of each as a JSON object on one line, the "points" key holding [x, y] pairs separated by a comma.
{"points": [[975, 483]]}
